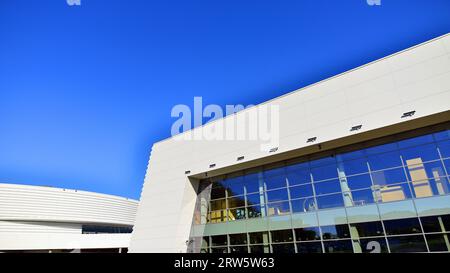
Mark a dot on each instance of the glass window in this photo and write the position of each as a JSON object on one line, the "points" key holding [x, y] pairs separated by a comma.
{"points": [[402, 226], [277, 195], [309, 247], [281, 236], [372, 245], [325, 187], [298, 174], [444, 148], [421, 171], [238, 239], [259, 238], [359, 197], [259, 249], [235, 185], [330, 201], [255, 199], [438, 242], [415, 141], [283, 248], [433, 223], [384, 161], [442, 135], [217, 216], [402, 244], [324, 172], [255, 211], [307, 234], [218, 204], [367, 229], [379, 149], [420, 153], [340, 246], [301, 191], [335, 232], [219, 250], [388, 177], [392, 192], [218, 192], [219, 240], [351, 167], [303, 205], [237, 201], [275, 178], [359, 181], [252, 182], [280, 208], [238, 249], [236, 214]]}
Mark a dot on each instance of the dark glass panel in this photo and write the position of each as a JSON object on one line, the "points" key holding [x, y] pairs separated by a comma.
{"points": [[438, 242], [238, 249], [404, 244], [402, 226], [259, 237], [303, 205], [330, 201], [432, 223], [238, 239], [217, 192], [219, 250], [277, 195], [368, 229], [309, 247], [301, 191], [335, 232], [372, 245], [307, 234], [260, 249], [283, 248], [281, 236], [219, 240], [325, 187], [340, 246]]}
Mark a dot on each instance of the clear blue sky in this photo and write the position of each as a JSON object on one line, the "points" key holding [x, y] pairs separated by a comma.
{"points": [[85, 91]]}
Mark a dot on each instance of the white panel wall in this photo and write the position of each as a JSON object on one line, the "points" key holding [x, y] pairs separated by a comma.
{"points": [[375, 95], [32, 203], [34, 218]]}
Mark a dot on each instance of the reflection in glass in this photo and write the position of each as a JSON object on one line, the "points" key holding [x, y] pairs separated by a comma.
{"points": [[339, 246], [301, 191], [283, 248], [309, 247], [277, 195], [402, 226], [219, 240], [307, 234], [325, 187], [238, 239], [303, 205], [335, 232], [281, 236], [372, 245], [367, 229], [438, 242], [256, 211], [236, 214], [259, 249], [259, 237], [238, 249], [330, 201], [280, 208], [407, 244]]}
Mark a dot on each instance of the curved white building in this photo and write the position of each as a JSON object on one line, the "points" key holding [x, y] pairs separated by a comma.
{"points": [[35, 218]]}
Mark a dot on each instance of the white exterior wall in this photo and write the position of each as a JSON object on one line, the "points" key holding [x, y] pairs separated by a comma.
{"points": [[33, 218], [375, 95]]}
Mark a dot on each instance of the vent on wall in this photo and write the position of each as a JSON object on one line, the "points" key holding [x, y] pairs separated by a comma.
{"points": [[311, 139], [187, 172], [408, 114], [356, 128], [212, 165], [273, 150], [240, 158]]}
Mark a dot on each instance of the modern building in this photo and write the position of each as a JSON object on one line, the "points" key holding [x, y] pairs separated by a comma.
{"points": [[362, 165], [45, 219]]}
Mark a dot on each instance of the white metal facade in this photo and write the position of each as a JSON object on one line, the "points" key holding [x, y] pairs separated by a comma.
{"points": [[34, 218], [374, 96]]}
